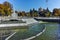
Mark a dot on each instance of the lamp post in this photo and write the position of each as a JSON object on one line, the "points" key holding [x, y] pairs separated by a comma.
{"points": [[47, 3]]}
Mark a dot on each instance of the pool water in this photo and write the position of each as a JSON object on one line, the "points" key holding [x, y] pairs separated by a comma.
{"points": [[51, 33], [31, 31]]}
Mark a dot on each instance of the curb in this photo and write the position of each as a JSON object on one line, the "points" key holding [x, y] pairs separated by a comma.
{"points": [[10, 36]]}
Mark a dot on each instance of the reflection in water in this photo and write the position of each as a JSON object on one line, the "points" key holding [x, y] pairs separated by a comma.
{"points": [[50, 33], [58, 31]]}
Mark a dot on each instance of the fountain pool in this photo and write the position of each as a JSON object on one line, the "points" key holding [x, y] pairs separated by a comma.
{"points": [[27, 33]]}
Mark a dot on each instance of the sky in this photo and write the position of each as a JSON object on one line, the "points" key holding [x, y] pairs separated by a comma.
{"points": [[26, 5]]}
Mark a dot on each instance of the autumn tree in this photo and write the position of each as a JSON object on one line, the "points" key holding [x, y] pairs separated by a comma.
{"points": [[56, 12], [47, 13], [8, 8]]}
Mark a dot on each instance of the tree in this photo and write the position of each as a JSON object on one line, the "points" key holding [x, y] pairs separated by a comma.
{"points": [[8, 8], [47, 13], [28, 14], [2, 10], [31, 13], [41, 12], [34, 13], [56, 12], [8, 4], [23, 13]]}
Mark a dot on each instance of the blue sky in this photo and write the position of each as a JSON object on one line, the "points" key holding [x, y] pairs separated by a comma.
{"points": [[26, 5]]}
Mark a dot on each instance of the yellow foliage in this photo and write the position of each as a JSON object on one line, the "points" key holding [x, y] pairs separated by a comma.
{"points": [[56, 14], [5, 10]]}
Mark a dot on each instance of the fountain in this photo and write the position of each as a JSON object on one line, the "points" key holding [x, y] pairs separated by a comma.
{"points": [[14, 22], [14, 15]]}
